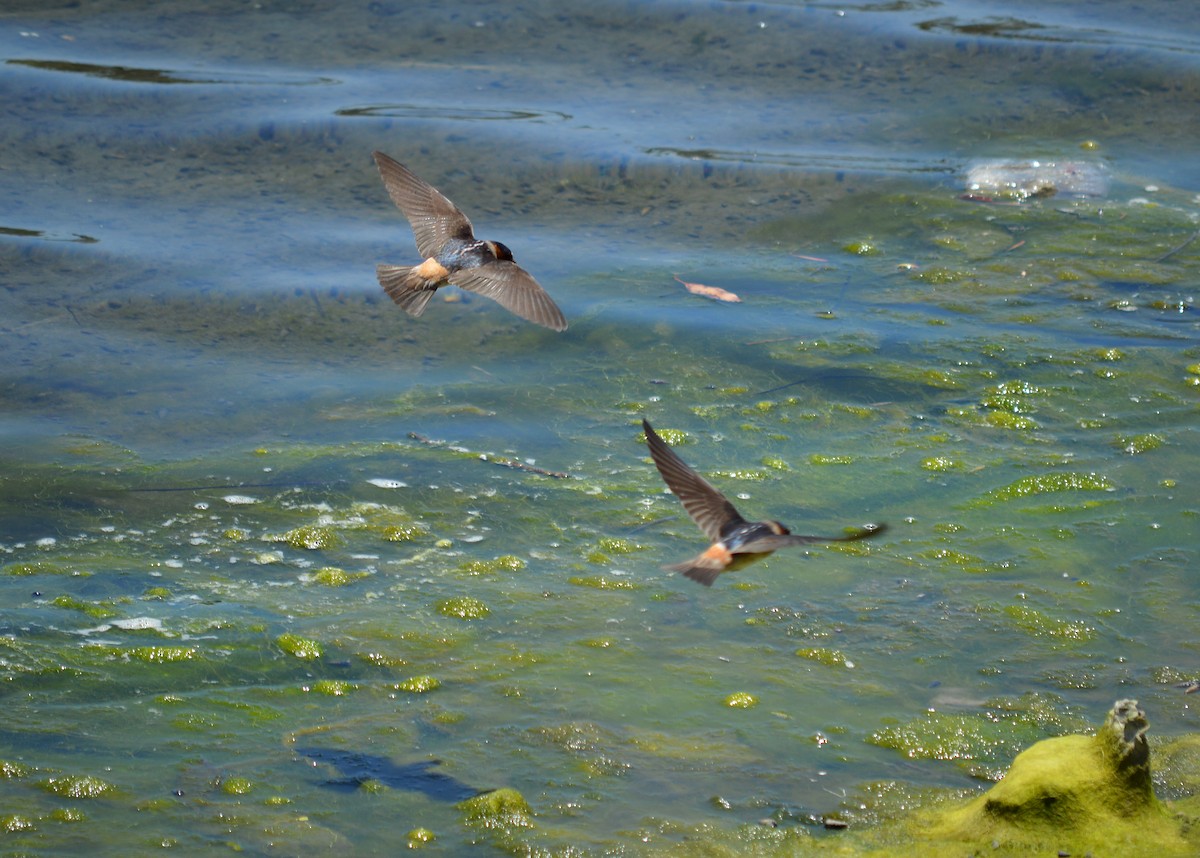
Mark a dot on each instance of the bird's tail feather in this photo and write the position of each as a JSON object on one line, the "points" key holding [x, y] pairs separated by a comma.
{"points": [[702, 569], [404, 286]]}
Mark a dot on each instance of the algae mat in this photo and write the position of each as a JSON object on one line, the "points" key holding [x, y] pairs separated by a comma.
{"points": [[284, 570]]}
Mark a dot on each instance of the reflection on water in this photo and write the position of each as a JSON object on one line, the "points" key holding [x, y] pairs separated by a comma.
{"points": [[420, 111], [137, 75], [245, 499]]}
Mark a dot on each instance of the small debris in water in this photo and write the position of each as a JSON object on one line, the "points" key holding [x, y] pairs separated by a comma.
{"points": [[1014, 181], [380, 482], [714, 292]]}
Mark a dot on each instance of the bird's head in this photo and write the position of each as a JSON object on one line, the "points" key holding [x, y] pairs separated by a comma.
{"points": [[500, 251]]}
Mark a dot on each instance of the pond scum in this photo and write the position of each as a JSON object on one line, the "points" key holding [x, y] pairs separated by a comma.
{"points": [[422, 575]]}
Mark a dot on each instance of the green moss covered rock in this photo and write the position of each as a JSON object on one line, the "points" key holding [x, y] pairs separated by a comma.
{"points": [[1070, 794]]}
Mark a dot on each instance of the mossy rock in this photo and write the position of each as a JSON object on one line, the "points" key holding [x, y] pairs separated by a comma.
{"points": [[1068, 794]]}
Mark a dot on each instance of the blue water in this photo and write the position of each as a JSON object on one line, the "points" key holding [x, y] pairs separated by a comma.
{"points": [[189, 224]]}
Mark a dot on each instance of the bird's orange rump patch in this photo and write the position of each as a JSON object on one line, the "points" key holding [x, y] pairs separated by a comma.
{"points": [[718, 552], [432, 270]]}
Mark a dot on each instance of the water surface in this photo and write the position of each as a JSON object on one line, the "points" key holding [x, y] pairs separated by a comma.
{"points": [[244, 496]]}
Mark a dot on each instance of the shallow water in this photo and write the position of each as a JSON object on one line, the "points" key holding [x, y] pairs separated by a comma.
{"points": [[208, 402]]}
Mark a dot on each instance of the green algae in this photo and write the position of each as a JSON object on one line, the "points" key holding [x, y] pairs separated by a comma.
{"points": [[1014, 396], [312, 537], [1040, 484], [1142, 443], [603, 582], [617, 545], [1093, 792], [673, 437], [940, 275], [972, 740], [941, 464], [35, 567], [91, 609], [381, 659], [969, 563], [77, 786], [10, 770], [503, 563], [333, 687], [463, 608], [162, 654], [740, 700], [824, 459], [861, 248], [826, 656], [156, 594], [237, 786], [598, 643], [1009, 420], [503, 809], [593, 747], [392, 587], [406, 532], [419, 684], [1040, 624], [333, 576], [15, 823], [300, 647], [418, 837], [747, 475]]}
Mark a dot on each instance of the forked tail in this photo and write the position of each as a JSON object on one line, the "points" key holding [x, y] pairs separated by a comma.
{"points": [[702, 569], [406, 287]]}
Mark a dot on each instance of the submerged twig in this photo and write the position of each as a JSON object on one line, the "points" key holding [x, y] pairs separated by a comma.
{"points": [[1178, 248], [497, 460], [849, 373]]}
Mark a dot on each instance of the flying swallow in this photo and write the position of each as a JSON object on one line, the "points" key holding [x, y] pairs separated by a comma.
{"points": [[453, 255], [736, 542]]}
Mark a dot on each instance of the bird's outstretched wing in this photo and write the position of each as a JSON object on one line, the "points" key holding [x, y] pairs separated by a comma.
{"points": [[434, 219], [776, 541], [513, 288], [708, 507]]}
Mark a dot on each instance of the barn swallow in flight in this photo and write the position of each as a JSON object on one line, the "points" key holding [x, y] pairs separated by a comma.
{"points": [[723, 524], [453, 255]]}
